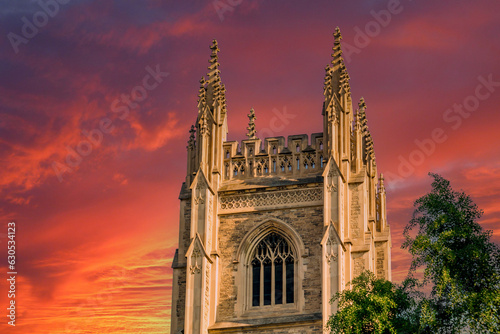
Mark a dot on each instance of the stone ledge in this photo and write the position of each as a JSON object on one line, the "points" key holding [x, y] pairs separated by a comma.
{"points": [[267, 323]]}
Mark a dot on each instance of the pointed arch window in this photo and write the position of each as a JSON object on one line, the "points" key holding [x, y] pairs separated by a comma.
{"points": [[273, 272]]}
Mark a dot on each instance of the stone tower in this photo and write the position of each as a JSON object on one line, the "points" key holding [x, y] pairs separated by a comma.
{"points": [[271, 228]]}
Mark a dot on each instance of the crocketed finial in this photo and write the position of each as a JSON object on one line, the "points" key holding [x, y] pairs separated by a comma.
{"points": [[191, 137], [251, 124]]}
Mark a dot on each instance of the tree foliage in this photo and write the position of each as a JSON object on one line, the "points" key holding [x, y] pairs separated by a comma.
{"points": [[461, 266], [374, 306], [460, 262]]}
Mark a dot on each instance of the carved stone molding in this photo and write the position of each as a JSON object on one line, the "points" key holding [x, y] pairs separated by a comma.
{"points": [[199, 194], [331, 255], [273, 199], [331, 246], [196, 259], [330, 181]]}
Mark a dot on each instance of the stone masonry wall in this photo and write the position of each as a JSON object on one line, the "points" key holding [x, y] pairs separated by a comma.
{"points": [[355, 211], [308, 222], [380, 256]]}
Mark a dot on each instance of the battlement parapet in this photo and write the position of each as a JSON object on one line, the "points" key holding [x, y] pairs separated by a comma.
{"points": [[252, 158]]}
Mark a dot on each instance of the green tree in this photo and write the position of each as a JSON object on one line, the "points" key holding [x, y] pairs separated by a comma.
{"points": [[460, 262], [375, 306]]}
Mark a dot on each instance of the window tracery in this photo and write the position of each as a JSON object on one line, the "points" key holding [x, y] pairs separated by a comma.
{"points": [[272, 272]]}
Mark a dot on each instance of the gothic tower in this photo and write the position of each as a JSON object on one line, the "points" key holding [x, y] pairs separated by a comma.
{"points": [[270, 229]]}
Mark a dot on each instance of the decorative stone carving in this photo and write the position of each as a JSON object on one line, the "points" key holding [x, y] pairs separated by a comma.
{"points": [[355, 211], [331, 255], [251, 124], [210, 222], [330, 185], [203, 125], [196, 259], [206, 294], [199, 197], [191, 141], [331, 246], [231, 202]]}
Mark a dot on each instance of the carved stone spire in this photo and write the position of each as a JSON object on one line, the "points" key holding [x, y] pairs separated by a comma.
{"points": [[367, 137], [191, 142], [337, 51], [337, 106], [203, 124], [214, 80], [214, 64], [223, 98], [251, 124], [382, 209], [339, 76], [202, 93], [381, 184], [327, 88]]}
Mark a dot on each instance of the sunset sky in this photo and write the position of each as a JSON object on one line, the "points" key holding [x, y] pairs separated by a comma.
{"points": [[96, 233]]}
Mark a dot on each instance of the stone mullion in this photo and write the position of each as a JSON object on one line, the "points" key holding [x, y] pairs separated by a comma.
{"points": [[231, 173], [261, 285], [252, 170], [283, 290], [273, 283]]}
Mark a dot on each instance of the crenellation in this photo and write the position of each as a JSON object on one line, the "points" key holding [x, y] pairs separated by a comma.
{"points": [[250, 159]]}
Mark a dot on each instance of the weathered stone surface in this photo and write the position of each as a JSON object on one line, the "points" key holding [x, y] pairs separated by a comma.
{"points": [[308, 222]]}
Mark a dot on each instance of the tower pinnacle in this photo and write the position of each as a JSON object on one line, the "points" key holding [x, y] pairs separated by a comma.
{"points": [[337, 51], [191, 142], [214, 89], [251, 124]]}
